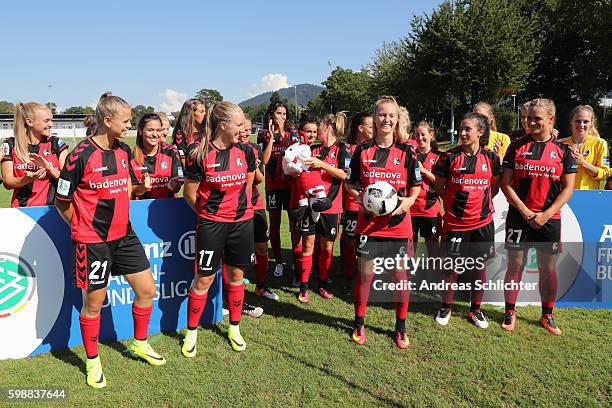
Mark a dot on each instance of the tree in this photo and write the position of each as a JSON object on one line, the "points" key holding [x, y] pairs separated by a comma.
{"points": [[256, 112], [209, 96], [478, 50], [80, 110], [6, 107], [345, 90], [138, 111]]}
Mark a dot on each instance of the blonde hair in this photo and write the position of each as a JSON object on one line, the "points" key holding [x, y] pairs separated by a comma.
{"points": [[489, 109], [404, 135], [217, 113], [90, 125], [390, 100], [109, 105], [23, 112], [546, 104], [589, 109], [337, 122]]}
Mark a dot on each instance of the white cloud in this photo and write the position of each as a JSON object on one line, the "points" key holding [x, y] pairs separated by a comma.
{"points": [[93, 104], [173, 100], [270, 82]]}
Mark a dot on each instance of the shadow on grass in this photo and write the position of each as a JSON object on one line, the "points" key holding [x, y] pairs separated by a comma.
{"points": [[70, 357]]}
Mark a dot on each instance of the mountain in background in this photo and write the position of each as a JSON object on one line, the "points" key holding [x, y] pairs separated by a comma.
{"points": [[305, 93]]}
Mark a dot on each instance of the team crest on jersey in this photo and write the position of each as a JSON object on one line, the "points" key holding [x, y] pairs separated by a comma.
{"points": [[553, 155], [484, 167], [46, 152], [239, 161], [396, 161], [124, 163], [586, 153], [164, 165], [332, 155], [432, 161]]}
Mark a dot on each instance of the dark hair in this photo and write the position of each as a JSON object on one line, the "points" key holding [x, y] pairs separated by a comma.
{"points": [[307, 118], [271, 109], [185, 121], [482, 122], [139, 148], [357, 120]]}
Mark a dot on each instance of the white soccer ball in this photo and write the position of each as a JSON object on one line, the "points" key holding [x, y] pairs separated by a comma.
{"points": [[380, 198]]}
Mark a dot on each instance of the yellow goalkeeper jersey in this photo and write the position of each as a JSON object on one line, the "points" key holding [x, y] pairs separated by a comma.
{"points": [[595, 151], [505, 142]]}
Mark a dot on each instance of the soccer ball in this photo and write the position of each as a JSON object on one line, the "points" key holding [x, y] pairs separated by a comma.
{"points": [[380, 198]]}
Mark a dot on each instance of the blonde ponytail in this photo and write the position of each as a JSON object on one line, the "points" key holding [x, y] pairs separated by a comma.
{"points": [[23, 112]]}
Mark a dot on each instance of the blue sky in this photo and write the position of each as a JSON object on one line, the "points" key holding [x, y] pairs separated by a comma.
{"points": [[159, 53]]}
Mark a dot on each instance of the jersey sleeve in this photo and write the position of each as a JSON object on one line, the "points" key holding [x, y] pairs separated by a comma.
{"points": [[193, 168], [344, 157], [249, 154], [413, 170], [569, 163], [177, 168], [509, 157], [130, 156], [259, 155], [70, 177], [442, 166], [496, 167], [58, 146], [354, 168], [7, 149], [602, 160]]}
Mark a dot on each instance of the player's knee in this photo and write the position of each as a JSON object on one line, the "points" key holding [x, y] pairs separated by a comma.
{"points": [[147, 292], [201, 283]]}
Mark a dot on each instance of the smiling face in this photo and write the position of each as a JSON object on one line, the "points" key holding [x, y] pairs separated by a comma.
{"points": [[582, 123], [423, 136], [119, 124], [539, 121], [470, 134], [232, 129], [151, 134], [246, 131], [165, 130], [41, 123], [386, 118], [311, 130]]}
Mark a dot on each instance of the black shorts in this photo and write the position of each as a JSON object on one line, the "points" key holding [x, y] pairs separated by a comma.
{"points": [[520, 236], [260, 226], [92, 264], [276, 200], [369, 248], [349, 222], [427, 226], [326, 227], [231, 241], [476, 243]]}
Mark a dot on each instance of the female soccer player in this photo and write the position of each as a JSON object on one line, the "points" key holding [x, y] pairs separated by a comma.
{"points": [[538, 180], [260, 222], [380, 237], [93, 197], [590, 151], [331, 158], [404, 127], [497, 142], [165, 129], [524, 130], [218, 182], [160, 164], [188, 126], [426, 212], [32, 158], [361, 130], [275, 140], [467, 179]]}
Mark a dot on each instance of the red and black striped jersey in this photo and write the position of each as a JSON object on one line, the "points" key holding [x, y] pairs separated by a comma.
{"points": [[274, 168], [537, 170], [348, 202], [468, 203], [222, 194], [256, 199], [395, 165], [182, 142], [97, 182], [427, 204], [161, 167], [38, 192], [336, 156]]}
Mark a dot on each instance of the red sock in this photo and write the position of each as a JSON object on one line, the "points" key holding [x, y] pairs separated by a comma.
{"points": [[306, 267], [275, 241], [361, 293], [296, 252], [325, 262], [141, 316], [347, 253], [224, 276], [90, 330], [477, 294], [235, 299], [195, 307], [261, 267], [449, 279], [548, 290], [401, 296], [401, 310], [512, 275]]}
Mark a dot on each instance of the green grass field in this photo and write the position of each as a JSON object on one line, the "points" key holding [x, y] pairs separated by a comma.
{"points": [[302, 355]]}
